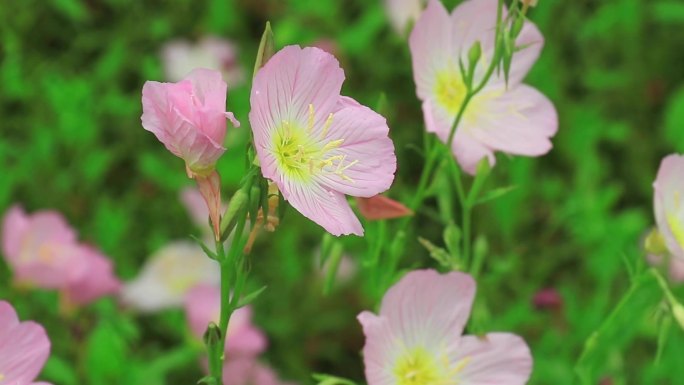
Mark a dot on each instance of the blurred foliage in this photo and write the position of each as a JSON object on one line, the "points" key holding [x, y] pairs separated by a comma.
{"points": [[71, 74]]}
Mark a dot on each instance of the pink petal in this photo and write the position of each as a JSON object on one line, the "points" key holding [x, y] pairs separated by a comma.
{"points": [[14, 226], [520, 121], [367, 147], [53, 266], [326, 207], [669, 203], [431, 47], [97, 281], [24, 347], [248, 371], [429, 309], [497, 358], [381, 350], [283, 89]]}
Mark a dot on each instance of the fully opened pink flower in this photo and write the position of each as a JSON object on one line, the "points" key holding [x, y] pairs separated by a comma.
{"points": [[24, 348], [514, 119], [189, 118], [669, 203], [203, 305], [99, 279], [180, 57], [313, 143], [41, 248], [416, 338]]}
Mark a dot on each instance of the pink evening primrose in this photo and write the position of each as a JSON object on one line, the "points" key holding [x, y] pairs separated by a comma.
{"points": [[98, 281], [41, 248], [24, 348], [416, 338], [313, 143], [181, 56], [669, 203], [203, 305], [248, 371], [403, 13], [189, 118], [168, 275], [514, 118]]}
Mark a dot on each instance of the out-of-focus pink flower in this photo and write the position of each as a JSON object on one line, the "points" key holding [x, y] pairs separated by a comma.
{"points": [[168, 276], [416, 338], [669, 203], [514, 118], [381, 207], [196, 206], [181, 56], [98, 281], [327, 45], [316, 145], [203, 305], [248, 371], [547, 298], [189, 118], [41, 248], [24, 348], [403, 13]]}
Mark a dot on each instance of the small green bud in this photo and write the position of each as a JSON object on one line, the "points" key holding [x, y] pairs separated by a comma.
{"points": [[655, 243], [266, 48], [678, 313], [212, 337], [236, 204], [517, 26], [474, 53]]}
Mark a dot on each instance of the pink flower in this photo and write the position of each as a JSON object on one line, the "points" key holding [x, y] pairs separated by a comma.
{"points": [[98, 281], [402, 13], [248, 371], [41, 248], [416, 338], [548, 299], [381, 207], [514, 119], [180, 57], [24, 348], [313, 143], [669, 203], [189, 118], [203, 305], [168, 276]]}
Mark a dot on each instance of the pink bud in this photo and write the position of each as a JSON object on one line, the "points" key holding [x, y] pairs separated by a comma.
{"points": [[380, 207], [548, 299], [189, 118]]}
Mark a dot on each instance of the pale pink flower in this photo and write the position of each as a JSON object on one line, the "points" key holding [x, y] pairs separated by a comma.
{"points": [[98, 281], [168, 275], [203, 305], [189, 118], [195, 205], [248, 371], [313, 143], [181, 56], [24, 348], [417, 339], [669, 203], [41, 248], [402, 13], [514, 118], [381, 207]]}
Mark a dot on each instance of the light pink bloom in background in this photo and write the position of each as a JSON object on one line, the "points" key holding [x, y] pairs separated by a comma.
{"points": [[41, 248], [196, 207], [669, 203], [417, 339], [403, 13], [248, 371], [516, 119], [203, 305], [189, 118], [674, 266], [168, 275], [98, 281], [313, 143], [182, 56], [24, 348], [381, 207]]}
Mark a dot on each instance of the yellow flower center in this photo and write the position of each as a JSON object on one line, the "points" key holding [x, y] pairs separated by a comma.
{"points": [[674, 222], [450, 90], [419, 367], [300, 155]]}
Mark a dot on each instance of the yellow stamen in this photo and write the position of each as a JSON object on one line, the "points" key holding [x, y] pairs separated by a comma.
{"points": [[311, 118], [326, 126]]}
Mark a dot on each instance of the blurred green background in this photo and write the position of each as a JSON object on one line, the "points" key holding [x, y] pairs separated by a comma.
{"points": [[71, 74]]}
